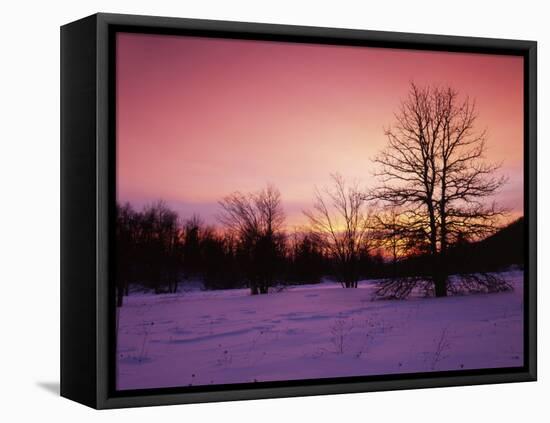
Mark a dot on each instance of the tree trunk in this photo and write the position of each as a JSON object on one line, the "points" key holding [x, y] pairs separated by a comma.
{"points": [[119, 297], [440, 276], [350, 284], [440, 282], [433, 229], [175, 283]]}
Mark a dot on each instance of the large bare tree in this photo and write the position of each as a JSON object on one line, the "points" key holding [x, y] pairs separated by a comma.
{"points": [[340, 221], [433, 169], [256, 220]]}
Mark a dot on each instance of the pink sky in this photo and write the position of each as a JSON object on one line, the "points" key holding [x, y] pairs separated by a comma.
{"points": [[199, 118]]}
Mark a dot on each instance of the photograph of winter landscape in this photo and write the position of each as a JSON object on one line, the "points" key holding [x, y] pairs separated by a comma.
{"points": [[292, 211]]}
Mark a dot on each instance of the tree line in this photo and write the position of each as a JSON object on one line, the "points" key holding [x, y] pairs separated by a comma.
{"points": [[250, 248], [431, 198]]}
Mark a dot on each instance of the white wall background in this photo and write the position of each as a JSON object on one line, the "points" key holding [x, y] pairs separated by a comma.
{"points": [[29, 209]]}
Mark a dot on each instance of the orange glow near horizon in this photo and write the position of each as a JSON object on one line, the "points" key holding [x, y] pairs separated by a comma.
{"points": [[199, 118]]}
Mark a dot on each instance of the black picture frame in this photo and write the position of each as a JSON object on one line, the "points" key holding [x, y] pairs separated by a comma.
{"points": [[88, 202]]}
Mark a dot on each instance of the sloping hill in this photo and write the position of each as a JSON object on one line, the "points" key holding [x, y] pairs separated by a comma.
{"points": [[502, 249]]}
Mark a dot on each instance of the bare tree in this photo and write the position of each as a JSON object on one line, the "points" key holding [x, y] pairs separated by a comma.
{"points": [[125, 245], [340, 220], [433, 169], [256, 219], [149, 248], [306, 258], [167, 242], [193, 229]]}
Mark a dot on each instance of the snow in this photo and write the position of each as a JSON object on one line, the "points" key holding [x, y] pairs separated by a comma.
{"points": [[310, 332]]}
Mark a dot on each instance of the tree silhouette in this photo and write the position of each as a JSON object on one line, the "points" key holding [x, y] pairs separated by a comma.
{"points": [[193, 229], [149, 248], [163, 246], [306, 259], [340, 221], [256, 220], [125, 250], [219, 265], [433, 169]]}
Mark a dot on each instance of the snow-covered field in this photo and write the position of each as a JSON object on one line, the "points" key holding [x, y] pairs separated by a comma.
{"points": [[312, 331]]}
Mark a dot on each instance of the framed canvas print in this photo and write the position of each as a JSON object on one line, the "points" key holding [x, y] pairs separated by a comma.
{"points": [[255, 211]]}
